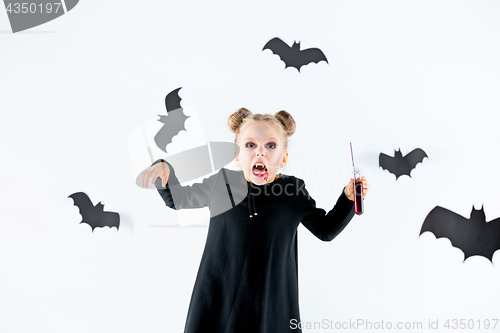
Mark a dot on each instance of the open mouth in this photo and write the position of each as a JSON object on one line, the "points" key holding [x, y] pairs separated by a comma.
{"points": [[260, 170]]}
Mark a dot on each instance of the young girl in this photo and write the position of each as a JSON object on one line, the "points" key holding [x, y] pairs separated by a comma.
{"points": [[248, 275]]}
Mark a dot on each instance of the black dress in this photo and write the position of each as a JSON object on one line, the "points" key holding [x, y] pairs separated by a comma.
{"points": [[248, 275]]}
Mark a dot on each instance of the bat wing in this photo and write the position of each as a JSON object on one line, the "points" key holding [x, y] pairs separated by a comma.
{"points": [[279, 47], [491, 238], [413, 158], [389, 163], [87, 209], [310, 55], [173, 100], [458, 229], [174, 123], [109, 219]]}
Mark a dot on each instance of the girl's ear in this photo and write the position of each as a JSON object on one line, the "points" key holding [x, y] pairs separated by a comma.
{"points": [[237, 160], [285, 158]]}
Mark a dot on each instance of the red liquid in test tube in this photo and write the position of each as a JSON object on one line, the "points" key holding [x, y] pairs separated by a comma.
{"points": [[358, 188], [358, 193]]}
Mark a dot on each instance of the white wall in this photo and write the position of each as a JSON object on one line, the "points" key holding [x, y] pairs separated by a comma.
{"points": [[408, 73]]}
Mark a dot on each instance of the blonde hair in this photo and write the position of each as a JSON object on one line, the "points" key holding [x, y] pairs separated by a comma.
{"points": [[282, 121]]}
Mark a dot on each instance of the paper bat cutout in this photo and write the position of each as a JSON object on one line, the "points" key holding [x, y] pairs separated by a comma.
{"points": [[293, 56], [473, 236], [173, 123], [34, 13], [95, 216], [400, 165]]}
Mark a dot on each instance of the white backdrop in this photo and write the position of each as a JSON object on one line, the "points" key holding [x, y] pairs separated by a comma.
{"points": [[401, 74]]}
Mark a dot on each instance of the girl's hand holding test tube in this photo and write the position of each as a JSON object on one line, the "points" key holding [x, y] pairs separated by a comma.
{"points": [[349, 189]]}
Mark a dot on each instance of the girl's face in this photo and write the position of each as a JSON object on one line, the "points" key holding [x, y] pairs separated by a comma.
{"points": [[259, 142]]}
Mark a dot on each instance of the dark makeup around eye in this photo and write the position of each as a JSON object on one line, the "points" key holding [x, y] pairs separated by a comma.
{"points": [[269, 143]]}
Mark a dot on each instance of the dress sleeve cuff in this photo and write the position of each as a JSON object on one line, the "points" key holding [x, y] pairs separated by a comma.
{"points": [[158, 161], [344, 200]]}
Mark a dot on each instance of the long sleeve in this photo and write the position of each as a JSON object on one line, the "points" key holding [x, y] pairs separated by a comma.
{"points": [[325, 226], [177, 196]]}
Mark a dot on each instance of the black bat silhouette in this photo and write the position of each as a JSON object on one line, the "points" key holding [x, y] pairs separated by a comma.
{"points": [[173, 123], [293, 56], [95, 216], [400, 165], [473, 236]]}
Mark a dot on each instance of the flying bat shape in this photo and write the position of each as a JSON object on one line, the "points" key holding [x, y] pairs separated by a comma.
{"points": [[400, 165], [95, 216], [293, 56], [473, 236], [173, 123]]}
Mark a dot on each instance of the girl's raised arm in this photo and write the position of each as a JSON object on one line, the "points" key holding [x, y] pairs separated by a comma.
{"points": [[325, 226], [176, 196]]}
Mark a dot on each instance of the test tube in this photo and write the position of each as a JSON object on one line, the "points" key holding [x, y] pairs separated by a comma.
{"points": [[358, 192]]}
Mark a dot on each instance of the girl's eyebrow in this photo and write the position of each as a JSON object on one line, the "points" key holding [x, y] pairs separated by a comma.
{"points": [[256, 140]]}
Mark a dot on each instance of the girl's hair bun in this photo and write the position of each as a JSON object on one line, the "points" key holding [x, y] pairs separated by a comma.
{"points": [[287, 121], [236, 119]]}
